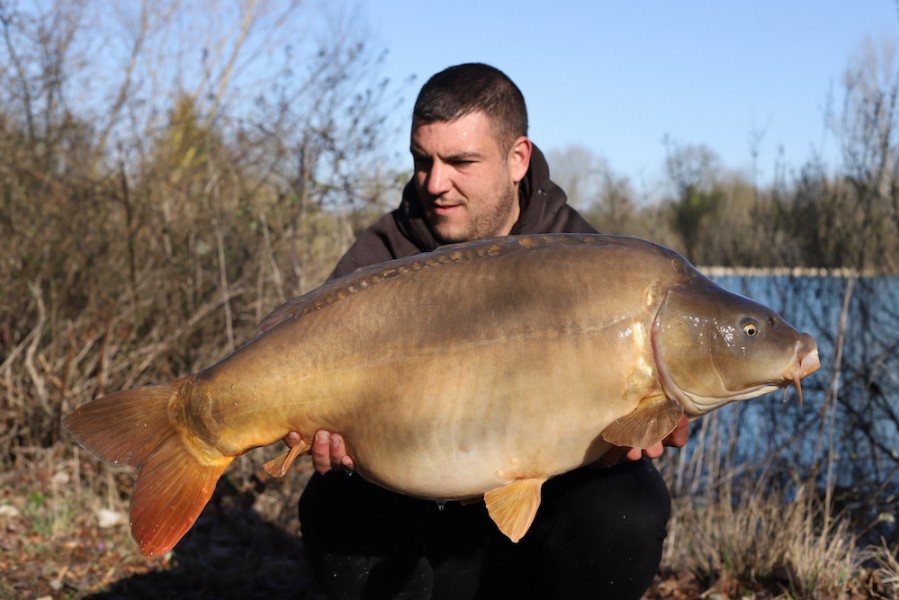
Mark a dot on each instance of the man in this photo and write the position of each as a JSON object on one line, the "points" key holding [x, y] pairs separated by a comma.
{"points": [[599, 530]]}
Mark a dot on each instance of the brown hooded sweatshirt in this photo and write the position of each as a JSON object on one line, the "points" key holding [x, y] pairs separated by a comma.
{"points": [[404, 231]]}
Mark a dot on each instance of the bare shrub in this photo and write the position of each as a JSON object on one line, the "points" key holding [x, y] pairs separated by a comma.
{"points": [[149, 223]]}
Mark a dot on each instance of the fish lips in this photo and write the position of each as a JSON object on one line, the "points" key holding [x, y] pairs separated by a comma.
{"points": [[807, 362]]}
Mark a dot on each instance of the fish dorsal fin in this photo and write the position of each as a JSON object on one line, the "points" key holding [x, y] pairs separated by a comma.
{"points": [[649, 423], [513, 506]]}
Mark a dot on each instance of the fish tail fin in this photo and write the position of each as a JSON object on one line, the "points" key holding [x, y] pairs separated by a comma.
{"points": [[177, 471]]}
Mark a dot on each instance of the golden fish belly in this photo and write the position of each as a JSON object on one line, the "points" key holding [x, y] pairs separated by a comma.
{"points": [[449, 419]]}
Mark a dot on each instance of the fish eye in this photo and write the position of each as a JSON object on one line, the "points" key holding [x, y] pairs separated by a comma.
{"points": [[750, 328]]}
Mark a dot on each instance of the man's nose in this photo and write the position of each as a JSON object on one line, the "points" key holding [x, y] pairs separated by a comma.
{"points": [[438, 179]]}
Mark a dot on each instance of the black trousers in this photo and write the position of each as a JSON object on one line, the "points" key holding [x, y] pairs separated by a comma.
{"points": [[598, 534]]}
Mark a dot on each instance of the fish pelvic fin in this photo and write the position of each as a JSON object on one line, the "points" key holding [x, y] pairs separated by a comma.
{"points": [[279, 466], [177, 472], [513, 506], [649, 423]]}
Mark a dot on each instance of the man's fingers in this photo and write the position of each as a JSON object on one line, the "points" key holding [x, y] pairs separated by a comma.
{"points": [[339, 457], [321, 452], [652, 452], [293, 439], [337, 449], [681, 434]]}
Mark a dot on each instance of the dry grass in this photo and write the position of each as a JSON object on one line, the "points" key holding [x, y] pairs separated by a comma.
{"points": [[886, 559], [763, 541]]}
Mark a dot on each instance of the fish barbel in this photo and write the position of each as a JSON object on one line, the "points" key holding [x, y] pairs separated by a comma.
{"points": [[478, 370]]}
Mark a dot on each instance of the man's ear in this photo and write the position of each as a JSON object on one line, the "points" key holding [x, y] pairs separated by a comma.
{"points": [[520, 158]]}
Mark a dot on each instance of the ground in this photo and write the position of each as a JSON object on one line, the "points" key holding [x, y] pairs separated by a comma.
{"points": [[231, 552], [235, 550]]}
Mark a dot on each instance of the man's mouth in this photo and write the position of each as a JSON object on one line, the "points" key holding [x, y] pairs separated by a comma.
{"points": [[445, 208]]}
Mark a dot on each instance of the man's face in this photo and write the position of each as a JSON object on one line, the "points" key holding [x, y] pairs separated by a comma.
{"points": [[466, 183]]}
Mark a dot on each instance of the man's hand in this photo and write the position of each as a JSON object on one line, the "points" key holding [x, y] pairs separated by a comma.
{"points": [[676, 439], [328, 450]]}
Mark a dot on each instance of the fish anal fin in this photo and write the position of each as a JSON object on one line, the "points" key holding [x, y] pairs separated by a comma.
{"points": [[513, 506], [653, 419], [278, 467]]}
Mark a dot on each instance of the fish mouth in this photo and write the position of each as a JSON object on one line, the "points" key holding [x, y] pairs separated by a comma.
{"points": [[806, 361], [806, 364], [704, 404]]}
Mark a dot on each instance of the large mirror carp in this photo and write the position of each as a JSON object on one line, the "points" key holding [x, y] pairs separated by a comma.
{"points": [[477, 370]]}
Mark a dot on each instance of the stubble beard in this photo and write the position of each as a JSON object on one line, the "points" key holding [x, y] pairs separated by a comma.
{"points": [[489, 219]]}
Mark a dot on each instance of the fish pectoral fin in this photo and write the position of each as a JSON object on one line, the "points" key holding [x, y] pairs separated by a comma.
{"points": [[278, 467], [646, 425], [513, 506]]}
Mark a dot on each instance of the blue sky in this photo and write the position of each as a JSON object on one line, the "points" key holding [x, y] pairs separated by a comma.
{"points": [[616, 76]]}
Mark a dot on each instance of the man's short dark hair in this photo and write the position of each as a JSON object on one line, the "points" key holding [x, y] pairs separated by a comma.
{"points": [[471, 87]]}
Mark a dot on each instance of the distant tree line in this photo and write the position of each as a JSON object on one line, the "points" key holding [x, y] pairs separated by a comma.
{"points": [[814, 215]]}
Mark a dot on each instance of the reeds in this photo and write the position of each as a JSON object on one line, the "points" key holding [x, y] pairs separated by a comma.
{"points": [[745, 530]]}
